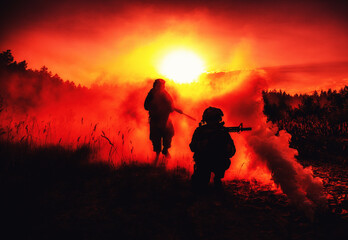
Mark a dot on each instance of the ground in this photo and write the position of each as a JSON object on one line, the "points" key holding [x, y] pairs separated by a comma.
{"points": [[55, 193]]}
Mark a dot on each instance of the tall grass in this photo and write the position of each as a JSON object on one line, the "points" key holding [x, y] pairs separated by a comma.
{"points": [[112, 145]]}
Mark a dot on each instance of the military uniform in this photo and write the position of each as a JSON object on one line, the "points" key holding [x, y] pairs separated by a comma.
{"points": [[213, 147], [160, 104]]}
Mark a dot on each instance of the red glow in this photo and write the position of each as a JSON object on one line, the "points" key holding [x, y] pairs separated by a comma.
{"points": [[85, 46], [116, 55]]}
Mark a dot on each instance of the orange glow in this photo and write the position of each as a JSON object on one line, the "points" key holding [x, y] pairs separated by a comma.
{"points": [[98, 47], [182, 66], [222, 56]]}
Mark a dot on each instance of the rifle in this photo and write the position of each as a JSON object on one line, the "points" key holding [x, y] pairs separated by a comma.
{"points": [[238, 129], [181, 112]]}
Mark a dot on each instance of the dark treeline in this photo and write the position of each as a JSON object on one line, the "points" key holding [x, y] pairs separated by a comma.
{"points": [[25, 88], [318, 122]]}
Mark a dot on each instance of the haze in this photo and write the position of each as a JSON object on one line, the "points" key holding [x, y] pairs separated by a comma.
{"points": [[125, 41]]}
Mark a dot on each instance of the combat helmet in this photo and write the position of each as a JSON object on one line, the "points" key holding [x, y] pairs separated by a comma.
{"points": [[212, 114], [159, 82]]}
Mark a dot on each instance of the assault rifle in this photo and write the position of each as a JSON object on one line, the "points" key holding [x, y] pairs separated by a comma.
{"points": [[238, 129], [181, 112]]}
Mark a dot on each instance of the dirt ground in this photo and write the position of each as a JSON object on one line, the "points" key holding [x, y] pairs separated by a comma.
{"points": [[54, 193], [335, 181]]}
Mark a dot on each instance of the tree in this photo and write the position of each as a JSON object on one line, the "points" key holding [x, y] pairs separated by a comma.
{"points": [[6, 58]]}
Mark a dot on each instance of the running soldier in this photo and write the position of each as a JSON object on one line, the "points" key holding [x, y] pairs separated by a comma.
{"points": [[160, 104]]}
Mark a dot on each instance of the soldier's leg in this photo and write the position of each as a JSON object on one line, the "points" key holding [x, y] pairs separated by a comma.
{"points": [[217, 180], [167, 138], [167, 143], [156, 143], [200, 177], [155, 137], [219, 171]]}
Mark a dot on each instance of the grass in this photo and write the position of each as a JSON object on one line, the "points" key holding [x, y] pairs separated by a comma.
{"points": [[53, 192], [113, 146]]}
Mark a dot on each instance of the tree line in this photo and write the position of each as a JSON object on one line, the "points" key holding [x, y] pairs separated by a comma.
{"points": [[317, 122], [23, 88]]}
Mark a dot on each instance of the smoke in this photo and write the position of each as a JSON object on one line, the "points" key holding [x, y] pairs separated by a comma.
{"points": [[43, 109], [88, 40], [316, 76], [264, 153], [295, 181]]}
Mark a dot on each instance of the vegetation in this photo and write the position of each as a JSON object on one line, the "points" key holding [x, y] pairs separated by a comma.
{"points": [[27, 89], [56, 191], [318, 123]]}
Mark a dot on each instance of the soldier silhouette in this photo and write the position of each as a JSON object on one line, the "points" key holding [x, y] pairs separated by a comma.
{"points": [[160, 104], [213, 147]]}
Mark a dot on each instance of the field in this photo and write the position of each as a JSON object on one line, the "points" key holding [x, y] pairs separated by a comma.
{"points": [[76, 164], [52, 192]]}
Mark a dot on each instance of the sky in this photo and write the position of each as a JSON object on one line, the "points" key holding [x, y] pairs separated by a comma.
{"points": [[302, 45]]}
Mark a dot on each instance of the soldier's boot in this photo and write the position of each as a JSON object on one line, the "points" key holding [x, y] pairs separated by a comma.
{"points": [[165, 152], [218, 183]]}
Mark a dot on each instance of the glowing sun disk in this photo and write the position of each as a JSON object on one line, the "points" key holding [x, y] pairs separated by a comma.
{"points": [[182, 66]]}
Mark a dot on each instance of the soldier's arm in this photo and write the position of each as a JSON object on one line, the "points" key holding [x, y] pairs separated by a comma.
{"points": [[231, 148], [194, 141], [169, 102], [148, 100]]}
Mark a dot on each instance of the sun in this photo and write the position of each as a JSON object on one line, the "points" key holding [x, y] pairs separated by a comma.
{"points": [[181, 66]]}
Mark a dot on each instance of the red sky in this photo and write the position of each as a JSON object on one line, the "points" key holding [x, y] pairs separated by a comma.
{"points": [[296, 46], [88, 41]]}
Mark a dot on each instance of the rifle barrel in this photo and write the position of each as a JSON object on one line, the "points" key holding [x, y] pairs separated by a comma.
{"points": [[238, 129], [192, 118], [181, 112]]}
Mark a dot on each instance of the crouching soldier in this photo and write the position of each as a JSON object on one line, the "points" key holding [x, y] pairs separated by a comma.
{"points": [[213, 147]]}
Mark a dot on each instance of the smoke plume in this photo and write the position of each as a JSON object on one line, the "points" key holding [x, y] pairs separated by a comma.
{"points": [[43, 109], [264, 153]]}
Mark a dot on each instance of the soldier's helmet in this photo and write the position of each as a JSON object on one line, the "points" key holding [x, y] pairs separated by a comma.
{"points": [[212, 114], [159, 83]]}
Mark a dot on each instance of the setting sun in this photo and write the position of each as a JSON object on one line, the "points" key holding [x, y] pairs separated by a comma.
{"points": [[182, 66]]}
